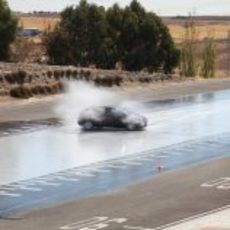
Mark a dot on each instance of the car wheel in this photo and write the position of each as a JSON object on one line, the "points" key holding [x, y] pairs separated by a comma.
{"points": [[131, 127], [88, 125]]}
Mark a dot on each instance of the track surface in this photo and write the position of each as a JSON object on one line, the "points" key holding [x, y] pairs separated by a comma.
{"points": [[151, 205], [45, 150], [71, 165]]}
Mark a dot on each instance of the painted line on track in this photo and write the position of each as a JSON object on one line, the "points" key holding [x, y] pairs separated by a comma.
{"points": [[192, 218], [77, 174]]}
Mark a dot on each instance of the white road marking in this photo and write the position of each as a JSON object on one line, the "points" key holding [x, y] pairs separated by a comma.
{"points": [[4, 193], [45, 181], [94, 223], [162, 156], [225, 186], [141, 159], [63, 178], [82, 173], [219, 183], [83, 223], [97, 168], [188, 150], [131, 162], [116, 166], [176, 153], [23, 187], [100, 170], [136, 228], [222, 183], [192, 218], [66, 175], [97, 223]]}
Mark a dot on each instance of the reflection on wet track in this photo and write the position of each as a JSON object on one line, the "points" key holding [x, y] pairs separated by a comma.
{"points": [[180, 132], [105, 176], [53, 149]]}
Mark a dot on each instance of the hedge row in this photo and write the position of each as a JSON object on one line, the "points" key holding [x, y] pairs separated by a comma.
{"points": [[21, 77], [27, 91], [23, 84]]}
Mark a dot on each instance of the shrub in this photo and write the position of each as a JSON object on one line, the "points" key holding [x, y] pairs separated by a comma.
{"points": [[118, 80], [21, 92], [21, 76], [62, 73], [60, 86], [57, 74], [29, 78], [68, 73], [49, 74], [10, 78], [98, 81], [75, 74], [107, 81]]}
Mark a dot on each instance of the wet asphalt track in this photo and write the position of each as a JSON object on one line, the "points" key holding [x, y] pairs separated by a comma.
{"points": [[44, 167]]}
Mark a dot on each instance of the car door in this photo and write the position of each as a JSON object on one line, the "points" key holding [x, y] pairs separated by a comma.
{"points": [[107, 117], [116, 118]]}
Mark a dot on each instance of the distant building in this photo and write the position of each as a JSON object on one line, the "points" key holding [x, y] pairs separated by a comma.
{"points": [[29, 32]]}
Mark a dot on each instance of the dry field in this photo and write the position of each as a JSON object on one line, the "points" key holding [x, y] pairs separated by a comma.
{"points": [[218, 31], [42, 23], [216, 26]]}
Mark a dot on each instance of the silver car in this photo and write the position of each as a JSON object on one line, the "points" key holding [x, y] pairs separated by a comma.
{"points": [[111, 117]]}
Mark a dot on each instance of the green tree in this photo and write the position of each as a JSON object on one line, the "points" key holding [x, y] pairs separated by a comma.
{"points": [[97, 37], [140, 39], [114, 17], [58, 47], [81, 36], [89, 34], [8, 26]]}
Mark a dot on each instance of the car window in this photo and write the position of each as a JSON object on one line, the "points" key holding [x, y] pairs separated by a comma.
{"points": [[118, 112]]}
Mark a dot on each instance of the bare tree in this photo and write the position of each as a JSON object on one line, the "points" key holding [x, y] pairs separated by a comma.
{"points": [[228, 55], [189, 65], [208, 66]]}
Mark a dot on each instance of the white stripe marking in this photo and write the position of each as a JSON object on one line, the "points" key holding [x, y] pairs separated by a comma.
{"points": [[4, 193], [64, 177], [191, 218], [176, 153], [215, 182], [45, 181], [101, 170], [136, 228], [162, 156], [83, 223], [117, 166], [130, 162], [20, 187], [141, 159], [82, 173]]}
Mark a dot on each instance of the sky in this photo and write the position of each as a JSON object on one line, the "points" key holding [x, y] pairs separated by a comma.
{"points": [[161, 7]]}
